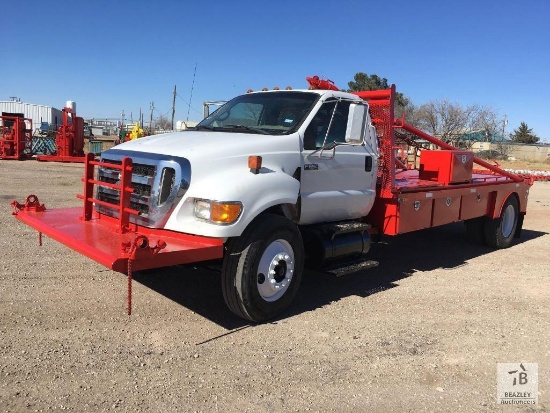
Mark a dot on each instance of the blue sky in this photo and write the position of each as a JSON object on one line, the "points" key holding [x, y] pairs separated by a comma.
{"points": [[110, 56]]}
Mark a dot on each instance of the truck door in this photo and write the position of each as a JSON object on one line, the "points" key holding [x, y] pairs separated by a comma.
{"points": [[337, 183]]}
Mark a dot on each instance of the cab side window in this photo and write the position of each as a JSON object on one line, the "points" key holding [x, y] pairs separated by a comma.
{"points": [[321, 125]]}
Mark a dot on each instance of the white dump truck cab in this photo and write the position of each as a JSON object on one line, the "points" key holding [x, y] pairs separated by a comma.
{"points": [[263, 170]]}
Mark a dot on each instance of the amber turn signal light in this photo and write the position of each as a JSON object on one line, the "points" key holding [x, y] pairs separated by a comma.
{"points": [[255, 164], [225, 213]]}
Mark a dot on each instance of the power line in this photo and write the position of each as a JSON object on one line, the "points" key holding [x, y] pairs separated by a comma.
{"points": [[188, 104]]}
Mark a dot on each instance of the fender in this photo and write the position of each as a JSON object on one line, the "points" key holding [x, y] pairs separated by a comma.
{"points": [[499, 199]]}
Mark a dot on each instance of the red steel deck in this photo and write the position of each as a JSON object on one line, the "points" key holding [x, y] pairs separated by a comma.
{"points": [[98, 240]]}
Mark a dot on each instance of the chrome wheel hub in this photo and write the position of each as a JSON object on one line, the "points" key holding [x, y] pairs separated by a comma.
{"points": [[507, 221], [275, 270]]}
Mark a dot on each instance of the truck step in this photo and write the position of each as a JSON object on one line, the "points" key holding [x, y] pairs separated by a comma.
{"points": [[350, 267], [338, 228]]}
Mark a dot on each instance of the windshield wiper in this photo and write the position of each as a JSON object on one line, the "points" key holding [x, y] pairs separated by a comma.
{"points": [[247, 128], [207, 127]]}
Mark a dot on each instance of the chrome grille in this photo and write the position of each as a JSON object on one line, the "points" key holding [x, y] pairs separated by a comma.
{"points": [[159, 182]]}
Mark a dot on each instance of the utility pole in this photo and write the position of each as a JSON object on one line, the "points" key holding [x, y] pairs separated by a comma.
{"points": [[140, 119], [151, 120], [173, 107]]}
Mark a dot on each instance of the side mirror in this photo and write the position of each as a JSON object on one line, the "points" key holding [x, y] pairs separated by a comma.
{"points": [[355, 131]]}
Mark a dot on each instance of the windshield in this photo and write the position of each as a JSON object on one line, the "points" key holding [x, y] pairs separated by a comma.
{"points": [[273, 113]]}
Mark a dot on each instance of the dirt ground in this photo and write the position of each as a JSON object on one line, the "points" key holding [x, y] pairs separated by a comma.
{"points": [[423, 332], [529, 165]]}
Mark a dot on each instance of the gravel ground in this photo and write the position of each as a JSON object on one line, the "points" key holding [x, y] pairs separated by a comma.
{"points": [[422, 332]]}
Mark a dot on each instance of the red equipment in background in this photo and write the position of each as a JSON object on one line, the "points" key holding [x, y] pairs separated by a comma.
{"points": [[15, 137], [69, 140]]}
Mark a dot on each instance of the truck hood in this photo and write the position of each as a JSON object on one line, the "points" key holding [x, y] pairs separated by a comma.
{"points": [[197, 145]]}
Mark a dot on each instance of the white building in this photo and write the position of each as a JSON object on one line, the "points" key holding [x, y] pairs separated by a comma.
{"points": [[183, 125], [38, 113]]}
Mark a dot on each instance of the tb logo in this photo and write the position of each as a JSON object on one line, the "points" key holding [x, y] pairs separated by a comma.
{"points": [[521, 377]]}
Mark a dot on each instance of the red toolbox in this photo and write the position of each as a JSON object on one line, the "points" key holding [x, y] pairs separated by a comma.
{"points": [[446, 166]]}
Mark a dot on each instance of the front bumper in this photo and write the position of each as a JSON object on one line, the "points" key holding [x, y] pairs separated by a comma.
{"points": [[99, 239]]}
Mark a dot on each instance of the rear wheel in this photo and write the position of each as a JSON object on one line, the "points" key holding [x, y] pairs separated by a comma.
{"points": [[262, 268], [499, 232]]}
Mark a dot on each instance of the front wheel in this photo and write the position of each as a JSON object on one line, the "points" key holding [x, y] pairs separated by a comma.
{"points": [[262, 268]]}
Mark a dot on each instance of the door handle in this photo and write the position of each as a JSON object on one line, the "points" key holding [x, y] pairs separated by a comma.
{"points": [[368, 163]]}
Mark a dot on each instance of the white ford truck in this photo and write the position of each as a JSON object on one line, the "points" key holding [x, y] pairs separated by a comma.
{"points": [[270, 181]]}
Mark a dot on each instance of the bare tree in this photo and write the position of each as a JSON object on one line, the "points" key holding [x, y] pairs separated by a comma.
{"points": [[163, 123], [486, 120], [451, 122], [503, 149], [411, 114]]}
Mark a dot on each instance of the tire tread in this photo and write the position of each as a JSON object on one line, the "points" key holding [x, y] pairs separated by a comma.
{"points": [[240, 257]]}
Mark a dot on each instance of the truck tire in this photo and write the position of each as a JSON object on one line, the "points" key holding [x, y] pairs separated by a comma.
{"points": [[499, 232], [475, 230], [262, 268]]}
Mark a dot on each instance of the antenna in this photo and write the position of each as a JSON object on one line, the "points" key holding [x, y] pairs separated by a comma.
{"points": [[191, 97], [173, 107], [151, 121]]}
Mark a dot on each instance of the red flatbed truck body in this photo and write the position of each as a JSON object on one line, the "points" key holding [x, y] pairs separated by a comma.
{"points": [[444, 189]]}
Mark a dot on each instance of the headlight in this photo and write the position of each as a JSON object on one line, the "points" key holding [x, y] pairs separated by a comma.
{"points": [[217, 212]]}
